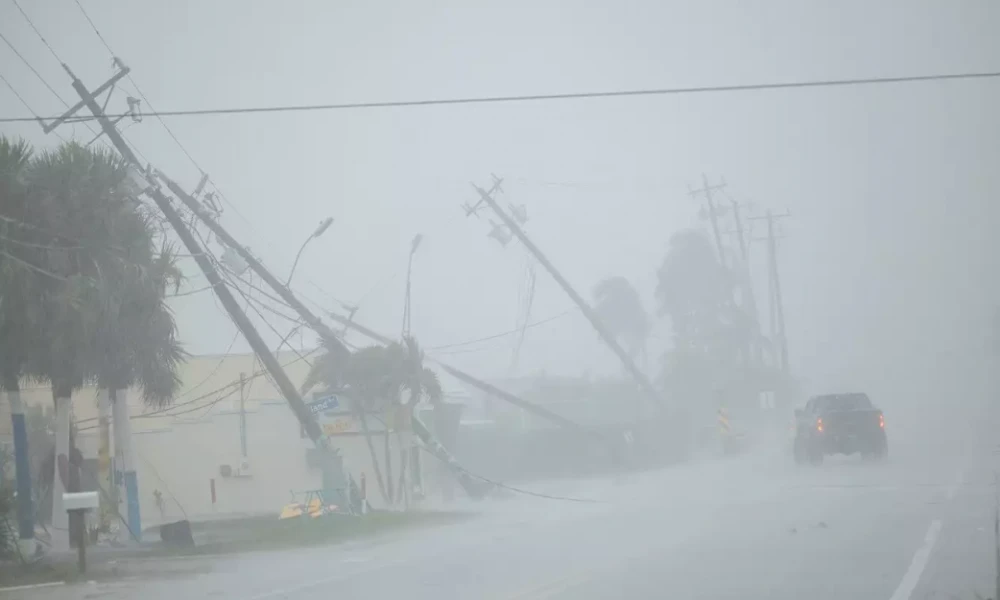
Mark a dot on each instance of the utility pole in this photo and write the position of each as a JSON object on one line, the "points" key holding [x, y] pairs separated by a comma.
{"points": [[595, 321], [740, 238], [332, 476], [309, 423], [748, 297], [317, 324], [777, 310], [712, 213]]}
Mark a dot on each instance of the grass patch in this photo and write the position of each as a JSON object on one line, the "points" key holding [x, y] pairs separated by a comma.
{"points": [[227, 537], [269, 533]]}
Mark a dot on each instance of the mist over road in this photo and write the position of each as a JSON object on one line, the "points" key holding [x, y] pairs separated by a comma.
{"points": [[751, 526]]}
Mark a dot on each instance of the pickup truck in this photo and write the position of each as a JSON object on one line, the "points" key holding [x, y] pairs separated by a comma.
{"points": [[839, 424]]}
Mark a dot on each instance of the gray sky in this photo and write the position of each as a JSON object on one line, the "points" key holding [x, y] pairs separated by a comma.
{"points": [[888, 264]]}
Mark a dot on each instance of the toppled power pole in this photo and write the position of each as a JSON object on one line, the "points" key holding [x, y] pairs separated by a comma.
{"points": [[333, 472], [470, 484], [512, 225]]}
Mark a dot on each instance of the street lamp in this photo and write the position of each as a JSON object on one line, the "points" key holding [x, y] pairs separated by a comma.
{"points": [[409, 269], [320, 230]]}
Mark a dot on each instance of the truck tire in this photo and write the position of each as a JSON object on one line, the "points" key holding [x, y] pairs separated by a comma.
{"points": [[882, 454]]}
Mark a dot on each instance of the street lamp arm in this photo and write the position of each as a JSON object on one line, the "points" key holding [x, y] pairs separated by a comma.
{"points": [[297, 257], [320, 230]]}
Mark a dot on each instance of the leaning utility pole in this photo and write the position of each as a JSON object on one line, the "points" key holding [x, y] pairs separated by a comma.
{"points": [[777, 312], [328, 335], [712, 213], [748, 297], [595, 320], [243, 323], [323, 329], [473, 487]]}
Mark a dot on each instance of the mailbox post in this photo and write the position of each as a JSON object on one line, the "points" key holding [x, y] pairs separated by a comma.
{"points": [[80, 503]]}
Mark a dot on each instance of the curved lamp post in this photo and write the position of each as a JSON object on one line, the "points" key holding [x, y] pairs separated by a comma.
{"points": [[320, 230]]}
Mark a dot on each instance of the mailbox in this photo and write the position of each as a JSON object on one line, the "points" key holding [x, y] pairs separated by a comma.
{"points": [[80, 501]]}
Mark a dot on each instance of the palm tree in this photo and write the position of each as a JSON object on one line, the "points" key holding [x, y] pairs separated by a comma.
{"points": [[694, 289], [374, 378], [339, 369], [137, 346], [18, 309], [419, 382], [105, 320], [620, 308]]}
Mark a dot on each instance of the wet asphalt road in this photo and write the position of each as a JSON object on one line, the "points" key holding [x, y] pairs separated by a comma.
{"points": [[753, 526]]}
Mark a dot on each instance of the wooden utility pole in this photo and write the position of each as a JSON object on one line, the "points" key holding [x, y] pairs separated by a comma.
{"points": [[712, 213], [309, 423], [777, 309], [243, 323], [740, 237], [748, 297], [595, 321]]}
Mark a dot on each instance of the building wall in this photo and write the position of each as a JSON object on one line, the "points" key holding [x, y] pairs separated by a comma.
{"points": [[180, 449]]}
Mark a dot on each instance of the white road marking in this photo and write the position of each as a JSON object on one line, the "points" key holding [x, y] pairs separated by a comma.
{"points": [[31, 586], [918, 564]]}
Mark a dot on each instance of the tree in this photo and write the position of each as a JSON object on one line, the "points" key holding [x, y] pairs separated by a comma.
{"points": [[620, 308], [104, 316], [693, 289], [373, 379], [19, 312], [137, 347], [709, 331], [419, 382]]}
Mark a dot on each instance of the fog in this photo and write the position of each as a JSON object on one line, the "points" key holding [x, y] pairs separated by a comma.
{"points": [[888, 260]]}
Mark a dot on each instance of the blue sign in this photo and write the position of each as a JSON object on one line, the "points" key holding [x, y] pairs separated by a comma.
{"points": [[324, 404]]}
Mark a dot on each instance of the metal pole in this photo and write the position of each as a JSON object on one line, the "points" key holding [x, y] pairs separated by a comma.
{"points": [[243, 414], [79, 518], [298, 255], [406, 299], [779, 310]]}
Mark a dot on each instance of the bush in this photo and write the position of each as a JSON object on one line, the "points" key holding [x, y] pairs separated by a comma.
{"points": [[8, 534]]}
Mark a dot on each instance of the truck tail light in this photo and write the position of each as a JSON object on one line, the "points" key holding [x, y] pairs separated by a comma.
{"points": [[819, 425], [881, 421]]}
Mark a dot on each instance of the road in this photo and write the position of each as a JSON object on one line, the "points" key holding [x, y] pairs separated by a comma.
{"points": [[748, 527]]}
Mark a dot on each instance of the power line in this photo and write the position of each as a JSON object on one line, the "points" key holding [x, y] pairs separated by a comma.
{"points": [[138, 89], [17, 95], [153, 111], [505, 333], [46, 83], [222, 361], [33, 69], [38, 33], [825, 83], [231, 384]]}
